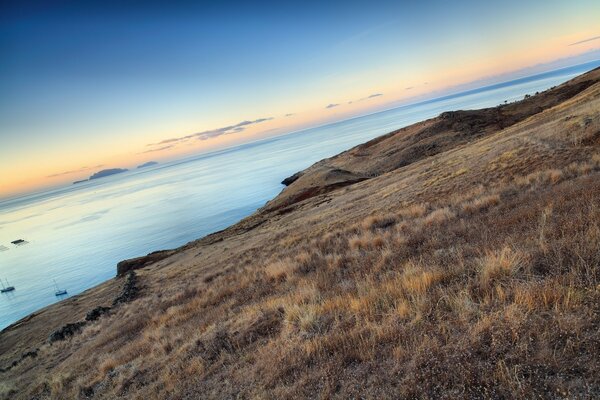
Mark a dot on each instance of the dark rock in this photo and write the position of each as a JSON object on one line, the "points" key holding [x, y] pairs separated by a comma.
{"points": [[129, 289], [32, 354], [66, 331], [96, 313], [291, 179], [140, 262], [87, 391]]}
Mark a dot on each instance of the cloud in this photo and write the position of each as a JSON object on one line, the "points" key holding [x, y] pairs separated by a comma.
{"points": [[158, 149], [172, 140], [289, 115], [332, 105], [369, 97], [585, 40], [205, 135], [409, 88], [73, 171]]}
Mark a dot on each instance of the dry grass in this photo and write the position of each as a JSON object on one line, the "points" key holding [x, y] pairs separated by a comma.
{"points": [[499, 264], [439, 216], [279, 270], [413, 211], [481, 203]]}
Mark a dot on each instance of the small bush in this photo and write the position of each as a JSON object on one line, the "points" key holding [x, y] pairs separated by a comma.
{"points": [[439, 216], [498, 264]]}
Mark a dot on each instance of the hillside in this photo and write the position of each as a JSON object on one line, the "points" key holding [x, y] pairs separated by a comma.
{"points": [[455, 258]]}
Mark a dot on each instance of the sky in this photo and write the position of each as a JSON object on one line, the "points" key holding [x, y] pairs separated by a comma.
{"points": [[90, 85]]}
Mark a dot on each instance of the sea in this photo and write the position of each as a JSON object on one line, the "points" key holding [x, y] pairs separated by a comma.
{"points": [[78, 233]]}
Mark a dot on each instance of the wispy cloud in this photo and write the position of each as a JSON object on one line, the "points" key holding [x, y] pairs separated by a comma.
{"points": [[585, 40], [205, 135], [158, 149], [290, 114], [409, 88], [73, 171], [372, 96]]}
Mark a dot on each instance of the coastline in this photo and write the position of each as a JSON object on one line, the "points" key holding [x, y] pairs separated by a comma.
{"points": [[288, 198], [326, 195]]}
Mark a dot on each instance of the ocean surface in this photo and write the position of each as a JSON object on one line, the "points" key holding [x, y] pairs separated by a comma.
{"points": [[78, 233]]}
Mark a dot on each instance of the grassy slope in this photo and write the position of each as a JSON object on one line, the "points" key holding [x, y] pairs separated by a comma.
{"points": [[466, 265]]}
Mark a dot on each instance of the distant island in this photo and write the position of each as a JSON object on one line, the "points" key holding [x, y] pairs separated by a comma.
{"points": [[147, 164], [108, 172], [102, 174]]}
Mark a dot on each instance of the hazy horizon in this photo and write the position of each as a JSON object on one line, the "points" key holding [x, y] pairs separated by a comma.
{"points": [[458, 90]]}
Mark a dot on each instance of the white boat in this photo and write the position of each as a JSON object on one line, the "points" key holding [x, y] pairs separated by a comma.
{"points": [[58, 292]]}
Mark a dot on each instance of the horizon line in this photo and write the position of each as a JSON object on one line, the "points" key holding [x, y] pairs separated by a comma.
{"points": [[424, 100]]}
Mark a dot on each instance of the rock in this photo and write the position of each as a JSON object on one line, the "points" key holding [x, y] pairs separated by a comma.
{"points": [[291, 179], [66, 331], [140, 262], [129, 289], [32, 354], [96, 313]]}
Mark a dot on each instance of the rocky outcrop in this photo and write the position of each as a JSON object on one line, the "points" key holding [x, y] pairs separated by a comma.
{"points": [[96, 313], [32, 354], [291, 179], [132, 264], [66, 331], [319, 179], [129, 291]]}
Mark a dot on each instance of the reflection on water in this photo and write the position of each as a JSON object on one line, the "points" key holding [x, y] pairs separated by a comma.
{"points": [[77, 234]]}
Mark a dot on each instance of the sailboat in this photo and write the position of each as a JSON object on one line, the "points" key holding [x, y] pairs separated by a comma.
{"points": [[58, 292], [6, 288]]}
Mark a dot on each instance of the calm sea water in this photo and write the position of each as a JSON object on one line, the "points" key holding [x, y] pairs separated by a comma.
{"points": [[77, 234]]}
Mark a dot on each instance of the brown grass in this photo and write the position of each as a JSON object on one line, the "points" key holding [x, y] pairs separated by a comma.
{"points": [[481, 203], [439, 216], [499, 264]]}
